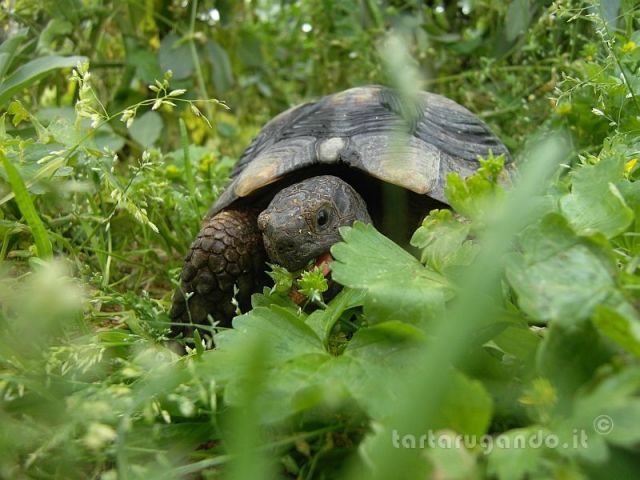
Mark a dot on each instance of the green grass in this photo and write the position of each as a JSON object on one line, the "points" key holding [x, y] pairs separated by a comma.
{"points": [[518, 321]]}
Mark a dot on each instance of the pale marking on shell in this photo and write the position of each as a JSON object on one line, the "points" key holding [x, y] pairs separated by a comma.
{"points": [[329, 149], [355, 95], [411, 163], [271, 165]]}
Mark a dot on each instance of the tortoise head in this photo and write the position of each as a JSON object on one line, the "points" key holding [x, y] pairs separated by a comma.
{"points": [[302, 221]]}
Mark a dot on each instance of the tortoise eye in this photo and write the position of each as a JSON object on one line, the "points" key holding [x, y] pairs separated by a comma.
{"points": [[322, 217]]}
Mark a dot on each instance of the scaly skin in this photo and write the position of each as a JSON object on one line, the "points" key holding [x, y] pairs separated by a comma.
{"points": [[228, 251]]}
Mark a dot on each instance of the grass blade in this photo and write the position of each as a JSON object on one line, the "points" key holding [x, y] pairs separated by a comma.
{"points": [[28, 210], [188, 169], [8, 50], [33, 71]]}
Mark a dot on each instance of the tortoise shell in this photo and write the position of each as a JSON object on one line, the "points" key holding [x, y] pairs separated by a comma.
{"points": [[368, 129]]}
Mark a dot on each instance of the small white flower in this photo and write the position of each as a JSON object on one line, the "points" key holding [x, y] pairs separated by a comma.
{"points": [[99, 435], [597, 112]]}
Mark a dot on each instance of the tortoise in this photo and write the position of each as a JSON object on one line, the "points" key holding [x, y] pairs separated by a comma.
{"points": [[317, 167]]}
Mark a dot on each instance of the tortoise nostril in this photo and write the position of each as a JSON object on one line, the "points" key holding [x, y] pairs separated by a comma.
{"points": [[286, 245]]}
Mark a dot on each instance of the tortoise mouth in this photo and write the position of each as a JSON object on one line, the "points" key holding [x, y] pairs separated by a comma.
{"points": [[322, 261]]}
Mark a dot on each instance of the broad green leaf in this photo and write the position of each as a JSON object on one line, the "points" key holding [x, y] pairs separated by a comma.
{"points": [[517, 19], [55, 29], [8, 50], [289, 389], [28, 210], [609, 12], [33, 71], [558, 276], [520, 342], [621, 325], [570, 355], [221, 71], [146, 64], [472, 196], [565, 287], [375, 343], [146, 129], [18, 112], [526, 461], [175, 55], [608, 414], [547, 238], [375, 354], [370, 370], [285, 334], [323, 321], [443, 241], [595, 204], [398, 286], [249, 50], [466, 408]]}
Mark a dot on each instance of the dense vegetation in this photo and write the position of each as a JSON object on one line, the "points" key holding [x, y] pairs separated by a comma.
{"points": [[519, 322]]}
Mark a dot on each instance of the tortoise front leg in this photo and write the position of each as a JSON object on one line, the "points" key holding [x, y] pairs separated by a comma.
{"points": [[228, 251]]}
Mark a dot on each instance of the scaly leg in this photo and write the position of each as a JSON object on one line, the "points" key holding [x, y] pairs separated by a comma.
{"points": [[228, 251]]}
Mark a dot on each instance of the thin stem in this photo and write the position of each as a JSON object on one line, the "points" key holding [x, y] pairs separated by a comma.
{"points": [[194, 56]]}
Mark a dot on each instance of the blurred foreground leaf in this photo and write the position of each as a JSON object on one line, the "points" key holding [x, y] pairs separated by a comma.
{"points": [[33, 71]]}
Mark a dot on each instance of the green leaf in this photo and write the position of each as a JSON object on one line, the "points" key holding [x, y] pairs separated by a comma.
{"points": [[518, 463], [397, 285], [286, 335], [517, 19], [55, 29], [609, 12], [282, 278], [443, 241], [33, 71], [466, 408], [221, 71], [28, 210], [621, 325], [608, 414], [557, 277], [289, 389], [547, 238], [375, 344], [374, 354], [473, 195], [8, 50], [569, 356], [146, 129], [146, 64], [595, 205], [18, 112], [175, 55], [564, 288], [520, 342], [323, 321]]}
